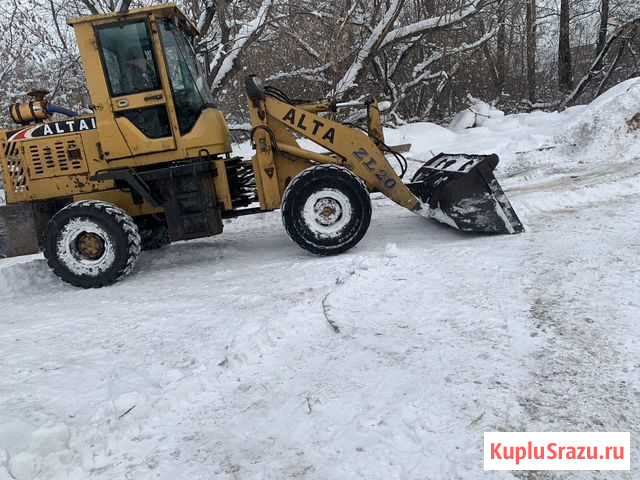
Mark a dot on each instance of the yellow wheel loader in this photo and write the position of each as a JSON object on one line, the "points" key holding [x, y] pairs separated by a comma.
{"points": [[152, 163]]}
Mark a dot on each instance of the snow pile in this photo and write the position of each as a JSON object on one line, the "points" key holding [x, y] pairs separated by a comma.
{"points": [[594, 157], [601, 130], [27, 451], [26, 275], [391, 250], [477, 115], [548, 160]]}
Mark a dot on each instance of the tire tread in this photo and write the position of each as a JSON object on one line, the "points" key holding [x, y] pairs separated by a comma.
{"points": [[292, 191], [126, 224]]}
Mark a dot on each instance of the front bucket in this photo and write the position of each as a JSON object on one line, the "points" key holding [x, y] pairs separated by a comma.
{"points": [[462, 192]]}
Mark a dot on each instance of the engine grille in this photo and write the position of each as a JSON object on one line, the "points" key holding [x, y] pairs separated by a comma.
{"points": [[55, 159], [15, 168]]}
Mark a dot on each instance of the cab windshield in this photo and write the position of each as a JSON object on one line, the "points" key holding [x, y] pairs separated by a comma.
{"points": [[190, 91]]}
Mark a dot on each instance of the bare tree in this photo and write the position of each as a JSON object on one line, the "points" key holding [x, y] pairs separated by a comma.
{"points": [[604, 26], [565, 70], [532, 46], [423, 56], [501, 48], [229, 38], [620, 37]]}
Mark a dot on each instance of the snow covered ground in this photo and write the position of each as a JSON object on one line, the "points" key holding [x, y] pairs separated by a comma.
{"points": [[218, 358]]}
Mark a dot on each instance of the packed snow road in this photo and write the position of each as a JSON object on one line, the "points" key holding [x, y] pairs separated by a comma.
{"points": [[219, 357], [243, 357]]}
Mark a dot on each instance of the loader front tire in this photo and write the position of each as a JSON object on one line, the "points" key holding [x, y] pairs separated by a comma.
{"points": [[92, 244], [326, 209]]}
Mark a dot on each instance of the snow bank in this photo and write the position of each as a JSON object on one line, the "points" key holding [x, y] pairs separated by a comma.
{"points": [[463, 120], [593, 156], [548, 160], [27, 451], [600, 131], [426, 139], [26, 275], [477, 115]]}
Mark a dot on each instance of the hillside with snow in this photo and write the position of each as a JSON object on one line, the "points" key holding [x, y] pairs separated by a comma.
{"points": [[244, 357]]}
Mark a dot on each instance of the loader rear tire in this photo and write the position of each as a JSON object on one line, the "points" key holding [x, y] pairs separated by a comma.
{"points": [[92, 244], [326, 209]]}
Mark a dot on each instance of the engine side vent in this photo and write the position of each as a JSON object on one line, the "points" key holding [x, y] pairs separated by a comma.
{"points": [[57, 158], [17, 174], [14, 173]]}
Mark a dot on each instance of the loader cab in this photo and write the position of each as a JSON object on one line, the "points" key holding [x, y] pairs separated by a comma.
{"points": [[191, 94], [149, 93]]}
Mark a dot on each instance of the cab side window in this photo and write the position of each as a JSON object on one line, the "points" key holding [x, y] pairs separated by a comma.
{"points": [[127, 53], [130, 67]]}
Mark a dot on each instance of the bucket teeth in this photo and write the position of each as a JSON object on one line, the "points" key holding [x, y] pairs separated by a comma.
{"points": [[461, 191]]}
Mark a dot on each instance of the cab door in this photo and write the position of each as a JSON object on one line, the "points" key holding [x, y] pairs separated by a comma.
{"points": [[136, 120]]}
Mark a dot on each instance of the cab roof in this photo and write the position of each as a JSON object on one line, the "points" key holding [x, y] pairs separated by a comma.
{"points": [[167, 10]]}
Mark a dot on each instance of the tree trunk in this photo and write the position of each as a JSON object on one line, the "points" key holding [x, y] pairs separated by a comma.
{"points": [[501, 49], [604, 24], [618, 35], [565, 71], [531, 48]]}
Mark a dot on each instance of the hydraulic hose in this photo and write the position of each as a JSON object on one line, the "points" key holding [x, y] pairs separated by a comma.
{"points": [[61, 111]]}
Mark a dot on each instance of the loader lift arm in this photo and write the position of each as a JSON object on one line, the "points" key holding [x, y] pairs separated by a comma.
{"points": [[351, 148], [459, 190]]}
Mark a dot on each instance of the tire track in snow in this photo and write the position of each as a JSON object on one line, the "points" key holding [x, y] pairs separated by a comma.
{"points": [[558, 179], [583, 375], [541, 192]]}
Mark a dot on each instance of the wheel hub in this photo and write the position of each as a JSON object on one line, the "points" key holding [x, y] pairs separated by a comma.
{"points": [[327, 211], [85, 248], [90, 245]]}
